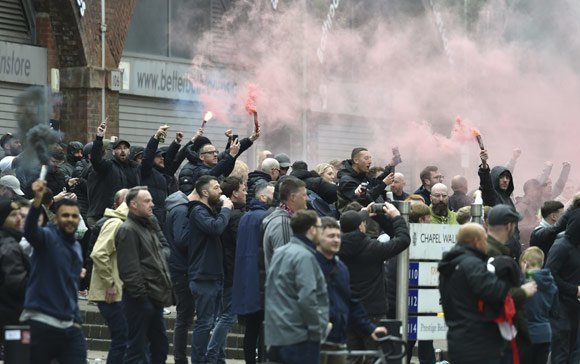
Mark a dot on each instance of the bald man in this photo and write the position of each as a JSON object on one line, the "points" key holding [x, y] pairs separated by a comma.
{"points": [[397, 187], [440, 212], [459, 198], [466, 286]]}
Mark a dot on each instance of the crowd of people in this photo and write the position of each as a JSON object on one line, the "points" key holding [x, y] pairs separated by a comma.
{"points": [[305, 260]]}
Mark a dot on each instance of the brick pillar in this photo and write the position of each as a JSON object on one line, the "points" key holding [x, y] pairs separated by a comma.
{"points": [[74, 47]]}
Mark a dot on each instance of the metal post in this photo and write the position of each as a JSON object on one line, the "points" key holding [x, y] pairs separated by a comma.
{"points": [[477, 213], [403, 276], [103, 65]]}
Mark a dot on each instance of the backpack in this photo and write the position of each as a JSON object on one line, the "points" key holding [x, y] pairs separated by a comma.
{"points": [[322, 208]]}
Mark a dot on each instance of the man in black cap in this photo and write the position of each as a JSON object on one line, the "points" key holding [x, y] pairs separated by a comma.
{"points": [[502, 223], [14, 265], [285, 163], [109, 175], [365, 259]]}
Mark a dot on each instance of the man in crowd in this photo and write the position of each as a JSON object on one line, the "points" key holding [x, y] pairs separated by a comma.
{"points": [[528, 207], [248, 289], [109, 175], [541, 236], [12, 148], [234, 189], [466, 285], [285, 163], [459, 198], [440, 212], [74, 154], [345, 313], [564, 263], [205, 259], [296, 316], [10, 188], [106, 285], [496, 188], [398, 186], [502, 221], [365, 259], [269, 171], [430, 175], [14, 265], [353, 177], [146, 283], [276, 226], [51, 307]]}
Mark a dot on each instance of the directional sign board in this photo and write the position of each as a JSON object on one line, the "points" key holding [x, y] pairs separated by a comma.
{"points": [[427, 328], [424, 301], [423, 274], [430, 241]]}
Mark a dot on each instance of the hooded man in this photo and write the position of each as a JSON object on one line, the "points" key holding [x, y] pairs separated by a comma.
{"points": [[496, 188], [74, 154]]}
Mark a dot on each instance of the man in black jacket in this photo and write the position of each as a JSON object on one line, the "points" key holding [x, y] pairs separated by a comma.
{"points": [[564, 263], [146, 283], [157, 170], [471, 297], [430, 176], [109, 176], [205, 252], [234, 189], [541, 236], [354, 175], [365, 259], [14, 265], [269, 171]]}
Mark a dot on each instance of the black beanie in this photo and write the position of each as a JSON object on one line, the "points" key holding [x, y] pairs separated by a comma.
{"points": [[6, 207], [200, 142]]}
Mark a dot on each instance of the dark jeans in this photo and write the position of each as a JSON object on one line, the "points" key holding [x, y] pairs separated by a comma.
{"points": [[565, 346], [207, 302], [425, 352], [253, 337], [47, 343], [306, 352], [540, 353], [185, 309], [115, 318], [225, 320], [146, 332]]}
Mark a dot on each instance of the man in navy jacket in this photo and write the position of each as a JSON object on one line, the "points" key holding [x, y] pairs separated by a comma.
{"points": [[205, 259], [51, 307]]}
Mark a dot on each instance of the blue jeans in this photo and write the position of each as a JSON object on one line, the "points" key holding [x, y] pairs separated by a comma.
{"points": [[207, 302], [48, 343], [225, 321], [146, 332], [306, 352], [115, 319], [185, 309]]}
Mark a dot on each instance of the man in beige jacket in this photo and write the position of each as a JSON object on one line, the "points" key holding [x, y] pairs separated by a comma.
{"points": [[106, 286]]}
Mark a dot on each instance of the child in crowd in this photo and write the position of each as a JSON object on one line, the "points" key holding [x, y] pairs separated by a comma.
{"points": [[541, 306]]}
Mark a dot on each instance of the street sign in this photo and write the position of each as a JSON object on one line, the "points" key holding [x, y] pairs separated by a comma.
{"points": [[430, 241], [427, 328], [424, 301], [423, 274]]}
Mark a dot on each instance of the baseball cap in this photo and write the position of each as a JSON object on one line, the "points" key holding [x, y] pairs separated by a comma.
{"points": [[119, 142], [283, 159], [350, 220], [13, 183], [503, 215]]}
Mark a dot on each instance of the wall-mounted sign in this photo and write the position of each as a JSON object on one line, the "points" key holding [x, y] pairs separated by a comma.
{"points": [[23, 64]]}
